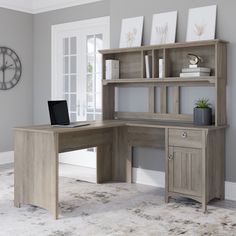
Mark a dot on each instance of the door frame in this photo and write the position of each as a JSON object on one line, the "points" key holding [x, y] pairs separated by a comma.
{"points": [[56, 32]]}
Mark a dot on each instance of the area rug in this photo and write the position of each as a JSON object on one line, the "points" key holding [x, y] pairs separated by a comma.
{"points": [[111, 209]]}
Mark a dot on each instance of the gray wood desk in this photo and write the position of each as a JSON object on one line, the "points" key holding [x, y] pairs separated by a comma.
{"points": [[194, 157]]}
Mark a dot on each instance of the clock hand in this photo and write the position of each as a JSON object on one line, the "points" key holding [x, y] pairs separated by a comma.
{"points": [[6, 67]]}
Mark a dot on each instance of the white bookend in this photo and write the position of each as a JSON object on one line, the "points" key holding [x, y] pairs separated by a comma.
{"points": [[148, 65], [112, 69], [161, 67]]}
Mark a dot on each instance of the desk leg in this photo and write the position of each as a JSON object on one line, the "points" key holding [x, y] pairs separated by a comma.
{"points": [[121, 156], [104, 163], [36, 170]]}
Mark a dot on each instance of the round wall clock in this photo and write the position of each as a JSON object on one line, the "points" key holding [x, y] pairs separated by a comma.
{"points": [[10, 68]]}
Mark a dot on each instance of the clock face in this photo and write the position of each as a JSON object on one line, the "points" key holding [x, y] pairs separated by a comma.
{"points": [[10, 68]]}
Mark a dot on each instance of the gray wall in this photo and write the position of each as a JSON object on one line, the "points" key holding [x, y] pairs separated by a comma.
{"points": [[16, 105], [42, 49], [225, 30]]}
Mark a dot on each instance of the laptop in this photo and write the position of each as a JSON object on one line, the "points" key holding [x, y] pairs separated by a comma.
{"points": [[59, 115]]}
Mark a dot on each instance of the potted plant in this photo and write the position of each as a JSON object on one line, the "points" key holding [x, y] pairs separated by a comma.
{"points": [[202, 113]]}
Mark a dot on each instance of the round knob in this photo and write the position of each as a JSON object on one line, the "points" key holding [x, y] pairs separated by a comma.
{"points": [[184, 135], [170, 157]]}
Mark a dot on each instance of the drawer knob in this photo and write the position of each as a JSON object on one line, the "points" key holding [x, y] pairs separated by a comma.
{"points": [[170, 157], [184, 135]]}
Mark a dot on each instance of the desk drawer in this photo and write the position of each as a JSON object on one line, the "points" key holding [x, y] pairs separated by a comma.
{"points": [[185, 138]]}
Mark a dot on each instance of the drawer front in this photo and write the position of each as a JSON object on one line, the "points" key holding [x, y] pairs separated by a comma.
{"points": [[185, 138]]}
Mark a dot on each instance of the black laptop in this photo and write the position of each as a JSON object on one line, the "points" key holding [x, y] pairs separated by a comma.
{"points": [[59, 115]]}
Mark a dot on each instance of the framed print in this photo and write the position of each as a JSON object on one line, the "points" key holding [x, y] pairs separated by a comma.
{"points": [[201, 23], [164, 28], [131, 32]]}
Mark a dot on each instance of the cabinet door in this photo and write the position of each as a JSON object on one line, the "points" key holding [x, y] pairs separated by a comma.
{"points": [[185, 170]]}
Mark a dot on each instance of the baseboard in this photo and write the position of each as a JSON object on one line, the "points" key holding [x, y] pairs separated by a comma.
{"points": [[230, 191], [79, 158], [148, 177], [78, 172], [6, 158]]}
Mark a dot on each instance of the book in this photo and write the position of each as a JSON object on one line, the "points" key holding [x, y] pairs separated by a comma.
{"points": [[161, 67], [148, 64], [193, 66], [194, 74], [112, 69], [198, 69]]}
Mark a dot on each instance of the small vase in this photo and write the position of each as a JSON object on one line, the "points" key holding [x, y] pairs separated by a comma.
{"points": [[202, 116]]}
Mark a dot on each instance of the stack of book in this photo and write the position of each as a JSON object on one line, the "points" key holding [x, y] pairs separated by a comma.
{"points": [[195, 71]]}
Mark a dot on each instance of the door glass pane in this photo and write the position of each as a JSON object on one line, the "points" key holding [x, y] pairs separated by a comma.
{"points": [[73, 46], [98, 102], [98, 83], [90, 65], [99, 42], [73, 83], [99, 63], [73, 102], [66, 65], [73, 64], [90, 44], [65, 46], [90, 103], [66, 84], [73, 117], [90, 117], [89, 83]]}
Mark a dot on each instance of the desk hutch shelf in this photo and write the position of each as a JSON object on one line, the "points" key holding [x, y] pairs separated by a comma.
{"points": [[133, 74]]}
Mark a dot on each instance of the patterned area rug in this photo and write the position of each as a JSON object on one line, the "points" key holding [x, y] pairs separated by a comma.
{"points": [[111, 209]]}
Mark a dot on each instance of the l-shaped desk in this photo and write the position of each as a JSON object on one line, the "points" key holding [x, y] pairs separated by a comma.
{"points": [[194, 157]]}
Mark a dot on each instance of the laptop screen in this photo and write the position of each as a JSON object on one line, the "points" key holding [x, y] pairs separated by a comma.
{"points": [[58, 111]]}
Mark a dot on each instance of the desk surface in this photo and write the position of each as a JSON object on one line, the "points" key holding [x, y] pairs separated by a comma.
{"points": [[115, 123]]}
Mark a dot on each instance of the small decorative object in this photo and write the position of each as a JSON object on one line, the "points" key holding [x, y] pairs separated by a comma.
{"points": [[194, 70], [201, 23], [10, 68], [164, 28], [161, 68], [194, 59], [202, 113], [148, 65], [131, 32], [112, 69]]}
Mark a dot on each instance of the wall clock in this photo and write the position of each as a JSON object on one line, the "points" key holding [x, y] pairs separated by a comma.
{"points": [[10, 68]]}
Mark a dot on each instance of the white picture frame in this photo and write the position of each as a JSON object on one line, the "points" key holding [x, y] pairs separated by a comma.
{"points": [[131, 32], [164, 28], [201, 23]]}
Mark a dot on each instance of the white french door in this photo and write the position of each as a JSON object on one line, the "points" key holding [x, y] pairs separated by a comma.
{"points": [[77, 73]]}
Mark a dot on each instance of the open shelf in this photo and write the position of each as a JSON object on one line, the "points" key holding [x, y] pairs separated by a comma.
{"points": [[211, 80]]}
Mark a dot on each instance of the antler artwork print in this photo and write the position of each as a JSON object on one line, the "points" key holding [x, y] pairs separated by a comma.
{"points": [[163, 32], [199, 29], [131, 37]]}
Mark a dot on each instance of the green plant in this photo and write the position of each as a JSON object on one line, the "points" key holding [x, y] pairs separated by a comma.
{"points": [[203, 103]]}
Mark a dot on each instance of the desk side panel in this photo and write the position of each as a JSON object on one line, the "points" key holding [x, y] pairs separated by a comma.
{"points": [[36, 170]]}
